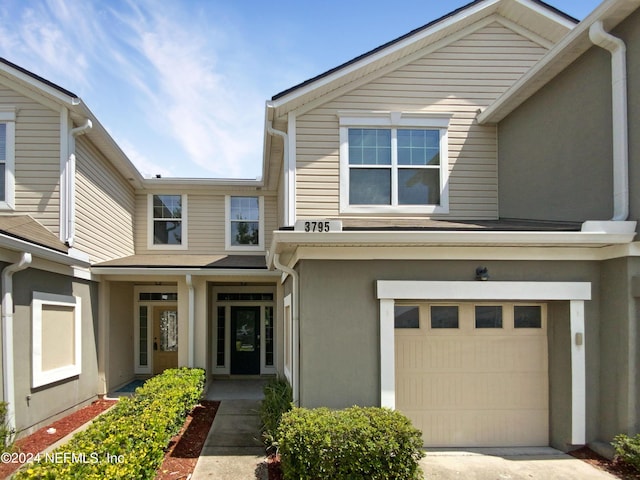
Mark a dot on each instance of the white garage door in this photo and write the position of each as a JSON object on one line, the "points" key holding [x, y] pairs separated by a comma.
{"points": [[473, 374]]}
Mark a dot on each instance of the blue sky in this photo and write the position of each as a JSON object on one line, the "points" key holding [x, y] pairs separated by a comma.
{"points": [[181, 84]]}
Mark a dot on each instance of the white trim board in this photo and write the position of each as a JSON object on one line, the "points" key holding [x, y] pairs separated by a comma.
{"points": [[388, 291]]}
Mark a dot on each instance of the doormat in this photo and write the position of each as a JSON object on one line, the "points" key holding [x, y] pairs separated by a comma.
{"points": [[131, 386]]}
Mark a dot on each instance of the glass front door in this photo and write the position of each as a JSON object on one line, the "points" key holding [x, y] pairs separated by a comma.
{"points": [[165, 338], [245, 340]]}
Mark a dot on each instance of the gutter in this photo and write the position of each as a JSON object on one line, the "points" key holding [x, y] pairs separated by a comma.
{"points": [[295, 322], [70, 185], [7, 339], [617, 48], [289, 172]]}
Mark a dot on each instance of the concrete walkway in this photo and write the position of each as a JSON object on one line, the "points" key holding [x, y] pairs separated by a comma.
{"points": [[233, 450]]}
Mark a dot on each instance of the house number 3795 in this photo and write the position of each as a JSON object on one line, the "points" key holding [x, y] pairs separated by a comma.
{"points": [[318, 226]]}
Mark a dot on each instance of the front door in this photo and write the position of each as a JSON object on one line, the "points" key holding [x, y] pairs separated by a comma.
{"points": [[165, 338], [245, 340]]}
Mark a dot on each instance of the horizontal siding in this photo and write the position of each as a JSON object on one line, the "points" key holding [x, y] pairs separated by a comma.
{"points": [[205, 223], [104, 206], [458, 79], [37, 171]]}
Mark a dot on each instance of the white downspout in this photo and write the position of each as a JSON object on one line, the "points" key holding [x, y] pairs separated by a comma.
{"points": [[288, 214], [295, 321], [192, 320], [70, 191], [7, 338], [617, 48]]}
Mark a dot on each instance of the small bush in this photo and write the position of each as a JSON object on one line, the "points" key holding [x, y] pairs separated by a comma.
{"points": [[278, 397], [356, 443], [129, 440], [628, 449], [6, 434]]}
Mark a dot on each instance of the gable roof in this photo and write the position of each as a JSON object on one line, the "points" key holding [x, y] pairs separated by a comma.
{"points": [[565, 52], [543, 21]]}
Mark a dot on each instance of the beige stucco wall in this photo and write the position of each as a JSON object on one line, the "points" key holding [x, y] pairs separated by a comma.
{"points": [[339, 330], [121, 351], [36, 406]]}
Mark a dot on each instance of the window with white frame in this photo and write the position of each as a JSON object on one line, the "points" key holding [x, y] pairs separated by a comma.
{"points": [[167, 221], [393, 162], [244, 222], [7, 157], [56, 338]]}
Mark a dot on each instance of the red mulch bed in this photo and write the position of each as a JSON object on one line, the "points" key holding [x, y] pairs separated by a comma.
{"points": [[179, 461], [617, 468], [273, 467], [40, 439], [184, 449]]}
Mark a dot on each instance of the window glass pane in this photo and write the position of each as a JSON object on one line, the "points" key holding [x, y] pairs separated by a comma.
{"points": [[418, 186], [2, 181], [245, 233], [370, 186], [220, 350], [418, 147], [268, 331], [529, 316], [444, 316], [169, 331], [245, 208], [369, 146], [167, 233], [407, 317], [488, 316], [144, 337], [167, 206]]}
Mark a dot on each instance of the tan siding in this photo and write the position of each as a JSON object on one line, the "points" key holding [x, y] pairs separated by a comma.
{"points": [[459, 78], [37, 169], [205, 222], [104, 206]]}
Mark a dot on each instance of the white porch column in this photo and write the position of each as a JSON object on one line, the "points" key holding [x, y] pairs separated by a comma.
{"points": [[387, 354], [578, 374]]}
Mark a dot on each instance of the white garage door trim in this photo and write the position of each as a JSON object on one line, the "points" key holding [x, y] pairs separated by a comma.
{"points": [[388, 291]]}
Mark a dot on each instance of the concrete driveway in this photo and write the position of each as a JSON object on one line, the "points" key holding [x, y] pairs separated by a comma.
{"points": [[508, 463]]}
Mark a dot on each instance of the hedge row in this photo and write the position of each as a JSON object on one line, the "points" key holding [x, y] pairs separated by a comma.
{"points": [[128, 441], [356, 443], [628, 449]]}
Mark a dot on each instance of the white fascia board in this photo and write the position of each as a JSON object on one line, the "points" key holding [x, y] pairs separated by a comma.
{"points": [[489, 290], [39, 86], [202, 272], [442, 25], [567, 50], [545, 12], [41, 252], [435, 238]]}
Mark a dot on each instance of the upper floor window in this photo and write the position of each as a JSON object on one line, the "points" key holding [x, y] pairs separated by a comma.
{"points": [[7, 157], [393, 163], [244, 220], [167, 223]]}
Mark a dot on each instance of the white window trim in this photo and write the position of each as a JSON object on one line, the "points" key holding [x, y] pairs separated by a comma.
{"points": [[8, 116], [394, 120], [185, 225], [44, 377], [227, 226], [576, 293]]}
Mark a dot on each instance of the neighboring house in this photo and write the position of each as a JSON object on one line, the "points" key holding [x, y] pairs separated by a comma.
{"points": [[418, 239], [474, 282]]}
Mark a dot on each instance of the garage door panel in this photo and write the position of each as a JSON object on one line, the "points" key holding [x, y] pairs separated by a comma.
{"points": [[457, 428], [474, 387]]}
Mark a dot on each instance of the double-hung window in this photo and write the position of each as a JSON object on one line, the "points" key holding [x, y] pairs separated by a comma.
{"points": [[167, 221], [7, 157], [244, 220], [392, 162]]}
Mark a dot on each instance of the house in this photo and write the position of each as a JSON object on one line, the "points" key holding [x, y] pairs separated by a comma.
{"points": [[400, 248]]}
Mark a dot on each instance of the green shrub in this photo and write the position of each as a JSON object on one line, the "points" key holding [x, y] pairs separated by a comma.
{"points": [[628, 449], [356, 443], [129, 440], [6, 434], [278, 398]]}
